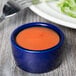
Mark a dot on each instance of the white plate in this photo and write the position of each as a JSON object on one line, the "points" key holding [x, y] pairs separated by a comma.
{"points": [[51, 12]]}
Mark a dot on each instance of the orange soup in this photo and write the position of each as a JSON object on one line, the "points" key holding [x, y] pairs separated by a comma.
{"points": [[37, 38]]}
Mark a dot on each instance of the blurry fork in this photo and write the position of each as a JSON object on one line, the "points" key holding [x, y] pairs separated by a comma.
{"points": [[12, 7]]}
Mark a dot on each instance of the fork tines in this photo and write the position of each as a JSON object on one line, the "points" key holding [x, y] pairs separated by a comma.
{"points": [[22, 3]]}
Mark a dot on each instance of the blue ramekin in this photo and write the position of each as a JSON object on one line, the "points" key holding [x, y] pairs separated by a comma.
{"points": [[37, 61]]}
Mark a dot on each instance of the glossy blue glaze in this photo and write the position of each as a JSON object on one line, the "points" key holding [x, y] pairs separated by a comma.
{"points": [[37, 61]]}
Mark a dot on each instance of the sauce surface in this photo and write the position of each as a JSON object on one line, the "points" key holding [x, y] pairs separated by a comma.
{"points": [[37, 38]]}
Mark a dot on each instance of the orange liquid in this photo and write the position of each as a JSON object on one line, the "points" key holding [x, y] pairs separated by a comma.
{"points": [[37, 38]]}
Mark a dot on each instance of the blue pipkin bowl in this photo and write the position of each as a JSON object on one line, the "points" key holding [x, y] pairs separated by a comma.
{"points": [[37, 61]]}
